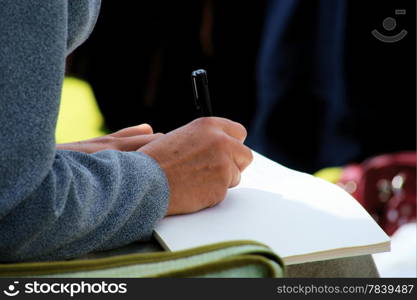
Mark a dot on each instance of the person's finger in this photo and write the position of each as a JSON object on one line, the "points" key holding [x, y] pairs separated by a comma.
{"points": [[133, 143], [232, 128], [134, 130], [236, 130], [235, 176], [242, 155]]}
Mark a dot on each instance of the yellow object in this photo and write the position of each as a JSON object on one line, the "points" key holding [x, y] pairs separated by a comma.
{"points": [[79, 116], [332, 174]]}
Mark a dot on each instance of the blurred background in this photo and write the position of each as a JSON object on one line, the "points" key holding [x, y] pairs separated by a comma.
{"points": [[326, 87]]}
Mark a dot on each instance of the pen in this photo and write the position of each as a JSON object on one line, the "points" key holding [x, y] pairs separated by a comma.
{"points": [[201, 92]]}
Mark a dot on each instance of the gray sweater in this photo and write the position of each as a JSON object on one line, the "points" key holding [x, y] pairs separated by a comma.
{"points": [[61, 204]]}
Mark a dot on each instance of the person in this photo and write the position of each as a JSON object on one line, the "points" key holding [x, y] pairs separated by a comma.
{"points": [[62, 201]]}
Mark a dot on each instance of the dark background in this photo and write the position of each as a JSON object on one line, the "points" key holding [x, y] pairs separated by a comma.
{"points": [[141, 54]]}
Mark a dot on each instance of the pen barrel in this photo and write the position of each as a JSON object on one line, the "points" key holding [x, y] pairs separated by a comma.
{"points": [[201, 92]]}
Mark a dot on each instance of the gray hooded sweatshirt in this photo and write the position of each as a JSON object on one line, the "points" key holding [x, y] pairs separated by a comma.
{"points": [[61, 204]]}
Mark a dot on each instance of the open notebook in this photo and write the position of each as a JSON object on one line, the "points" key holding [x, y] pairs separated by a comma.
{"points": [[302, 218]]}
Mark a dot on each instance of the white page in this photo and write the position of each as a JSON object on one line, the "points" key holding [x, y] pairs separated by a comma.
{"points": [[292, 212]]}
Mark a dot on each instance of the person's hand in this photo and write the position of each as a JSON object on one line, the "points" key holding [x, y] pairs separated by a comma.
{"points": [[127, 139], [201, 161]]}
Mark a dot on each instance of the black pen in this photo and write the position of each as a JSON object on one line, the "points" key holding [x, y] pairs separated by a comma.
{"points": [[201, 92]]}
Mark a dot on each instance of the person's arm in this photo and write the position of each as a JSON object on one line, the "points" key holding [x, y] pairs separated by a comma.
{"points": [[60, 204]]}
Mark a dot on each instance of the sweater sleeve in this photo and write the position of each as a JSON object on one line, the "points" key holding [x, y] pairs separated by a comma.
{"points": [[60, 204]]}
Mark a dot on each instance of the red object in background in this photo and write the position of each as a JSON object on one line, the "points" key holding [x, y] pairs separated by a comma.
{"points": [[385, 185]]}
